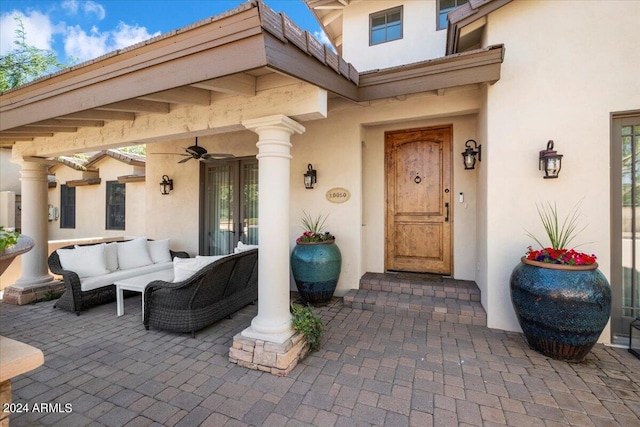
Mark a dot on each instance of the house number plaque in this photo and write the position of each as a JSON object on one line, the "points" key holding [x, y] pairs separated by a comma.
{"points": [[338, 195]]}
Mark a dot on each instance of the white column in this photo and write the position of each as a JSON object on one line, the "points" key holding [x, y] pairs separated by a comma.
{"points": [[273, 322], [33, 177]]}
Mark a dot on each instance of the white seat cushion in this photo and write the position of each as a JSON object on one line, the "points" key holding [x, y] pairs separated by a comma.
{"points": [[85, 261], [90, 283]]}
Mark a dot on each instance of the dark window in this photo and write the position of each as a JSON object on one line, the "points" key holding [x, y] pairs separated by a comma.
{"points": [[115, 205], [444, 7], [67, 206], [385, 26]]}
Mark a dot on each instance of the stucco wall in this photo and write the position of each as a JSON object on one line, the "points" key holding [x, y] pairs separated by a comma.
{"points": [[91, 203], [347, 151], [176, 216], [568, 66], [420, 39], [9, 173]]}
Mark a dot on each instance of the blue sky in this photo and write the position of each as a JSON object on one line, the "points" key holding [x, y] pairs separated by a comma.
{"points": [[85, 29]]}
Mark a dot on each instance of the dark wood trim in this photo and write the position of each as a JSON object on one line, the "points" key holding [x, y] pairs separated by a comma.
{"points": [[131, 178], [481, 66], [465, 15], [288, 59], [83, 182]]}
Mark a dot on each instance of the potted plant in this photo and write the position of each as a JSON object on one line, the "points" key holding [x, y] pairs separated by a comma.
{"points": [[12, 244], [561, 299], [315, 261]]}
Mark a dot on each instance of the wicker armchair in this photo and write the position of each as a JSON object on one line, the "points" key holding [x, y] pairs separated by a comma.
{"points": [[74, 299], [216, 291]]}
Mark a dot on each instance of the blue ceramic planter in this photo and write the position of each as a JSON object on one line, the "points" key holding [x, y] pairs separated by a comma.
{"points": [[316, 268], [562, 309]]}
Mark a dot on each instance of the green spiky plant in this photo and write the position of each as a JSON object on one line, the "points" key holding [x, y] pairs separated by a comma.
{"points": [[314, 230], [308, 324], [560, 232]]}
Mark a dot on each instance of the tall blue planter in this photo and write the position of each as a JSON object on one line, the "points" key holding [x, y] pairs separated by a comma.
{"points": [[562, 309], [316, 269]]}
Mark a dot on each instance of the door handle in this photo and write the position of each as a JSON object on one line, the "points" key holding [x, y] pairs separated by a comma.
{"points": [[446, 215]]}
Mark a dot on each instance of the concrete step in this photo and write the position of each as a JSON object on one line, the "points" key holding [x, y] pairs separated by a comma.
{"points": [[416, 295]]}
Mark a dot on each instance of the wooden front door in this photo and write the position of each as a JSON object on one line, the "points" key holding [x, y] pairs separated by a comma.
{"points": [[419, 215]]}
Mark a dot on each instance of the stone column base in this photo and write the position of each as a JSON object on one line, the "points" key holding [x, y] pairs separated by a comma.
{"points": [[20, 296], [277, 359]]}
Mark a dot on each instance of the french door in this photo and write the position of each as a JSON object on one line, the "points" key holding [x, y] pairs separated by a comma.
{"points": [[625, 250], [230, 205]]}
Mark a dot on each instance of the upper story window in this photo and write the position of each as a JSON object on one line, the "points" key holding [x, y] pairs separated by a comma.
{"points": [[115, 205], [385, 26], [444, 7], [67, 206]]}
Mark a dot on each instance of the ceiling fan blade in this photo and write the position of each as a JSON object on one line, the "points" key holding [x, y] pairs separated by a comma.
{"points": [[173, 154], [185, 160]]}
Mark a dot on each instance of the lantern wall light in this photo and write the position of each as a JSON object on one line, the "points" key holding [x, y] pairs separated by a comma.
{"points": [[166, 185], [469, 155], [310, 177], [550, 162]]}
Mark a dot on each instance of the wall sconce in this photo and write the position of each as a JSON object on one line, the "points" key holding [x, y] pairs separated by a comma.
{"points": [[550, 162], [166, 185], [310, 177], [469, 155]]}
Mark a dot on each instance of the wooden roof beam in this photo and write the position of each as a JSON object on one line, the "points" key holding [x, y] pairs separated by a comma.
{"points": [[236, 84], [331, 16], [137, 106], [22, 136], [182, 95], [43, 129], [70, 123], [107, 116]]}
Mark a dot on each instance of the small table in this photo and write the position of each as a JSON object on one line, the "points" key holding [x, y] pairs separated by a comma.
{"points": [[138, 284]]}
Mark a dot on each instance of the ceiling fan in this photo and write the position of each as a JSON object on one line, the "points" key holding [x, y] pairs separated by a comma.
{"points": [[200, 153]]}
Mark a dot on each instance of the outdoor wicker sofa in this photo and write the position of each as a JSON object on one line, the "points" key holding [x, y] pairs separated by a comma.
{"points": [[84, 291], [214, 292]]}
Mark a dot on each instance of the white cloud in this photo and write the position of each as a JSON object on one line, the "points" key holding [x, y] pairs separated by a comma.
{"points": [[126, 35], [322, 38], [71, 6], [38, 29], [89, 7], [84, 46], [97, 9]]}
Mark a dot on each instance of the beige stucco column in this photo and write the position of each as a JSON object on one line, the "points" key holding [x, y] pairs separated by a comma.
{"points": [[33, 177], [273, 322]]}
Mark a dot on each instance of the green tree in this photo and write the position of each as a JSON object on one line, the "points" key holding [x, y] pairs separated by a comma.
{"points": [[25, 63]]}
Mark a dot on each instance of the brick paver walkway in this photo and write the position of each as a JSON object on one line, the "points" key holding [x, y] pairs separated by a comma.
{"points": [[373, 369]]}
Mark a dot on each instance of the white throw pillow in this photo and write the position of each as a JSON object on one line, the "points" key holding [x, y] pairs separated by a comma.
{"points": [[184, 268], [111, 254], [242, 247], [85, 261], [133, 253], [209, 259], [159, 250]]}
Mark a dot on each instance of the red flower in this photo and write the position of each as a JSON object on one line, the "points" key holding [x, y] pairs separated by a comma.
{"points": [[560, 256]]}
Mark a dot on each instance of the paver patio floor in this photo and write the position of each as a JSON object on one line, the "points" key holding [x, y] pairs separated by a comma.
{"points": [[373, 369]]}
